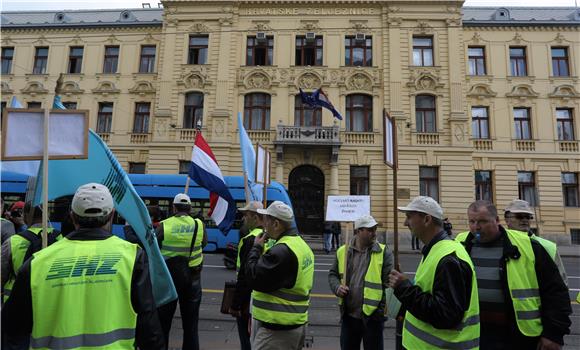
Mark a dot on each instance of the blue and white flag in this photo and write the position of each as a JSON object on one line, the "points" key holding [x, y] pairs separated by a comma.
{"points": [[319, 99], [57, 104], [102, 167], [249, 162], [205, 172], [14, 103]]}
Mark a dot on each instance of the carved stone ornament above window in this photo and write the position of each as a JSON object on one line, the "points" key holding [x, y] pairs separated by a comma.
{"points": [[198, 27], [476, 38], [71, 88], [564, 92], [425, 81], [481, 91], [309, 81], [360, 82], [192, 80], [257, 80], [518, 38], [105, 88], [523, 91], [6, 90], [142, 88], [423, 27], [34, 88], [359, 25], [309, 25], [262, 26]]}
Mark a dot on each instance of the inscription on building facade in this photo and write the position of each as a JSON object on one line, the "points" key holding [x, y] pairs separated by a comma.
{"points": [[295, 11]]}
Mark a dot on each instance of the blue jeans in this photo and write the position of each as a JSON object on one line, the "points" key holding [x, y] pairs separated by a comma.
{"points": [[327, 241], [353, 330], [189, 295]]}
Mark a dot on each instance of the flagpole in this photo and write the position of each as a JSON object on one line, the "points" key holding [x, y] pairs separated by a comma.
{"points": [[197, 129], [45, 180]]}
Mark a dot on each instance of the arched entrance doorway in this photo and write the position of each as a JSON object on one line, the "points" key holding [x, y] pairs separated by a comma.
{"points": [[306, 187]]}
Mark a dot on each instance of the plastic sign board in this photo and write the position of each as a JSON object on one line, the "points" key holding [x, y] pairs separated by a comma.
{"points": [[262, 165], [23, 135], [347, 208], [389, 141]]}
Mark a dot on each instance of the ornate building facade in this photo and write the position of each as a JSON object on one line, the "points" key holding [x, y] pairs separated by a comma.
{"points": [[486, 100]]}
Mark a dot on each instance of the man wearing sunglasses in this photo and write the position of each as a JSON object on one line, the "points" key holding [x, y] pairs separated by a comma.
{"points": [[518, 216]]}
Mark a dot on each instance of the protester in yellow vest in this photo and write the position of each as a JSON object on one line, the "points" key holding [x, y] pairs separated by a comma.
{"points": [[88, 290], [362, 297], [518, 215], [281, 278], [524, 304], [251, 227], [181, 239], [442, 305]]}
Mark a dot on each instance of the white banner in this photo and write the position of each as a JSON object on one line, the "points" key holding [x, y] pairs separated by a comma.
{"points": [[347, 208]]}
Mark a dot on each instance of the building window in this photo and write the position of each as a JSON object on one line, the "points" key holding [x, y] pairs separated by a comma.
{"points": [[70, 105], [40, 60], [193, 111], [527, 187], [565, 124], [34, 105], [111, 59], [476, 60], [259, 52], [522, 124], [141, 123], [425, 114], [483, 188], [358, 51], [105, 117], [198, 45], [309, 51], [359, 180], [7, 57], [147, 61], [570, 189], [575, 235], [136, 168], [257, 111], [422, 51], [560, 62], [429, 182], [184, 166], [2, 108], [359, 113], [479, 122], [305, 115], [75, 59], [518, 61]]}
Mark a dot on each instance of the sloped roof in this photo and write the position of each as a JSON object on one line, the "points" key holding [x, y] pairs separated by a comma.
{"points": [[521, 15]]}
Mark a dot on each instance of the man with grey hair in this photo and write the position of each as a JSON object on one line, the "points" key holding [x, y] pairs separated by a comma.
{"points": [[442, 305], [524, 302], [362, 297], [281, 278], [518, 214], [90, 289]]}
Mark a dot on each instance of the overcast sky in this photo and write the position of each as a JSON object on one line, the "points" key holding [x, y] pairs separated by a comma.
{"points": [[19, 5]]}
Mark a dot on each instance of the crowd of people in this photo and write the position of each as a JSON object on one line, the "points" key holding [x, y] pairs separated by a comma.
{"points": [[492, 287]]}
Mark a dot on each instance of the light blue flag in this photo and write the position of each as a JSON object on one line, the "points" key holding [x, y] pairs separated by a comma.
{"points": [[28, 167], [249, 162], [57, 104], [14, 103], [102, 167]]}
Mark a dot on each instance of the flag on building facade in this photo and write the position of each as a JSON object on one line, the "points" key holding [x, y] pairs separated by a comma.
{"points": [[101, 166], [204, 170], [57, 104], [249, 162], [318, 98]]}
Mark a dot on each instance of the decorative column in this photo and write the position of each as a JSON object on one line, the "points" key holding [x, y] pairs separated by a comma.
{"points": [[458, 121]]}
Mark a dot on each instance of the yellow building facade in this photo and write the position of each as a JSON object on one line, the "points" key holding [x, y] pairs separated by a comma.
{"points": [[485, 100]]}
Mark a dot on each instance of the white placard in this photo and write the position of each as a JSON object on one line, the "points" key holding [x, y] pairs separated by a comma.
{"points": [[23, 134], [262, 165], [347, 208], [389, 140]]}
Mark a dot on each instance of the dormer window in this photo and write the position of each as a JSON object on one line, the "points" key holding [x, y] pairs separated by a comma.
{"points": [[126, 16], [502, 14], [60, 17]]}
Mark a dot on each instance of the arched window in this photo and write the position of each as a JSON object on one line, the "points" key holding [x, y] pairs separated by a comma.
{"points": [[193, 111], [305, 115], [359, 113], [257, 111], [425, 113]]}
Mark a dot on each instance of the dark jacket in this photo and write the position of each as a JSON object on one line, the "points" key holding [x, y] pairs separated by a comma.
{"points": [[275, 269], [243, 292], [445, 305], [556, 308], [17, 313]]}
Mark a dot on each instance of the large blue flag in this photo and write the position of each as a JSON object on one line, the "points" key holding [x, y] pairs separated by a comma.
{"points": [[65, 176], [249, 162]]}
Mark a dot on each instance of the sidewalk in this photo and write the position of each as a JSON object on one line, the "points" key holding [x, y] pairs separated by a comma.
{"points": [[315, 243]]}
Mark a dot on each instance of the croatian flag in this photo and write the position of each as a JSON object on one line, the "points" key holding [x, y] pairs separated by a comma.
{"points": [[205, 172], [319, 99]]}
